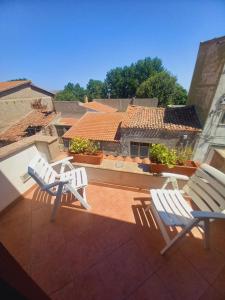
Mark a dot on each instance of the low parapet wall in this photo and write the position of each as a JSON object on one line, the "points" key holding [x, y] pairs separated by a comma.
{"points": [[127, 179]]}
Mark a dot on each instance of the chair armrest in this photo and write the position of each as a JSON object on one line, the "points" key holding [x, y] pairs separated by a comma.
{"points": [[207, 215], [174, 175], [64, 160], [49, 186]]}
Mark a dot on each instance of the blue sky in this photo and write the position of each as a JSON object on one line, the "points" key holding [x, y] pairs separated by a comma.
{"points": [[54, 42]]}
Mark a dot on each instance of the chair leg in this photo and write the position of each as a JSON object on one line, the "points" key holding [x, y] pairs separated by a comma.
{"points": [[82, 199], [57, 202], [184, 231], [206, 233]]}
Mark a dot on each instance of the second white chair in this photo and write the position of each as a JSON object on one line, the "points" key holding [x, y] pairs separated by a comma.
{"points": [[73, 181]]}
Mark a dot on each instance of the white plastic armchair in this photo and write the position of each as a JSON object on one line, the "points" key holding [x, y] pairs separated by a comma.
{"points": [[73, 181], [170, 209]]}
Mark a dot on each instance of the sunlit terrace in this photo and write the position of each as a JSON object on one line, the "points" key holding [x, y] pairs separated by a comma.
{"points": [[111, 251]]}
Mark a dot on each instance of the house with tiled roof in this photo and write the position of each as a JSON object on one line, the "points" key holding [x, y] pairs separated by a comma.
{"points": [[17, 99], [143, 126], [101, 127], [35, 122], [132, 132]]}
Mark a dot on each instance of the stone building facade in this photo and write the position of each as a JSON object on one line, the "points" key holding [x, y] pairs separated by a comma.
{"points": [[207, 94], [17, 98], [144, 126]]}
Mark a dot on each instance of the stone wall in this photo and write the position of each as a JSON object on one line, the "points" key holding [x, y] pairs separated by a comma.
{"points": [[170, 139], [111, 147], [17, 104], [206, 76], [70, 108], [213, 133]]}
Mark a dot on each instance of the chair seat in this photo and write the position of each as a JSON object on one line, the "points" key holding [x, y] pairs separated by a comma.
{"points": [[76, 177], [171, 206]]}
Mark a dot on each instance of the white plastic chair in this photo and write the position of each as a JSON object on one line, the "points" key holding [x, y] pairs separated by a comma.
{"points": [[207, 190], [55, 183]]}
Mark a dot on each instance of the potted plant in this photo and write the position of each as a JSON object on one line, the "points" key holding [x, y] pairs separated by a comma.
{"points": [[85, 151], [164, 159]]}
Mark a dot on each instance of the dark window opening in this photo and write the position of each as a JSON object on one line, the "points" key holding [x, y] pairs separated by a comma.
{"points": [[139, 149], [32, 130]]}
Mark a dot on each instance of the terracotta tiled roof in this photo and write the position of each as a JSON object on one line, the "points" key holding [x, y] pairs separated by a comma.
{"points": [[67, 121], [97, 126], [99, 107], [172, 119], [7, 85], [18, 130]]}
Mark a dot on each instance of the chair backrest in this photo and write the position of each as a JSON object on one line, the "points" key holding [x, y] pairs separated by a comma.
{"points": [[207, 188], [41, 171]]}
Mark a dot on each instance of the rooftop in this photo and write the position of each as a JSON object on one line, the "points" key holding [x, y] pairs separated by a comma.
{"points": [[99, 107], [171, 118], [7, 85], [19, 130], [111, 251], [97, 126], [67, 121]]}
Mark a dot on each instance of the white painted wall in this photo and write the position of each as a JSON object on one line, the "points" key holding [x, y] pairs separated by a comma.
{"points": [[11, 168], [213, 134]]}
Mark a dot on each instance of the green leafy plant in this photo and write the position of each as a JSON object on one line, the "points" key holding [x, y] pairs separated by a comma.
{"points": [[85, 146], [160, 153], [183, 154]]}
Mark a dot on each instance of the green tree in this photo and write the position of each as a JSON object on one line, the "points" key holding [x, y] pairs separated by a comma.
{"points": [[123, 82], [71, 92], [95, 89], [164, 86], [179, 95], [18, 79]]}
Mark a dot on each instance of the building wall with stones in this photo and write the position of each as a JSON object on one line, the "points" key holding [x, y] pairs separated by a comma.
{"points": [[17, 103], [207, 93], [70, 109], [170, 139], [208, 69], [113, 148]]}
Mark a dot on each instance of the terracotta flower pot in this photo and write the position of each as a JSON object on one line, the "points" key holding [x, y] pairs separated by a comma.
{"points": [[93, 159], [188, 169]]}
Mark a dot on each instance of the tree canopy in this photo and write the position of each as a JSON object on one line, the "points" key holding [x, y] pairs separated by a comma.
{"points": [[95, 89], [147, 78], [164, 86], [71, 92], [18, 79], [123, 82]]}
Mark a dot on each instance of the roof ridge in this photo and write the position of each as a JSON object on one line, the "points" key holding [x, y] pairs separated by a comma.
{"points": [[15, 83]]}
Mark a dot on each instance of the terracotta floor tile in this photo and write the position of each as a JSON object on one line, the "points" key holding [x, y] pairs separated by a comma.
{"points": [[83, 254], [181, 279], [53, 273], [90, 286], [219, 283], [124, 270], [46, 241], [111, 251], [65, 293], [152, 288], [211, 294], [209, 263]]}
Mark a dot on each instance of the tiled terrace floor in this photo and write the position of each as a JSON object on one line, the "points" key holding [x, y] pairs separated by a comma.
{"points": [[110, 252]]}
